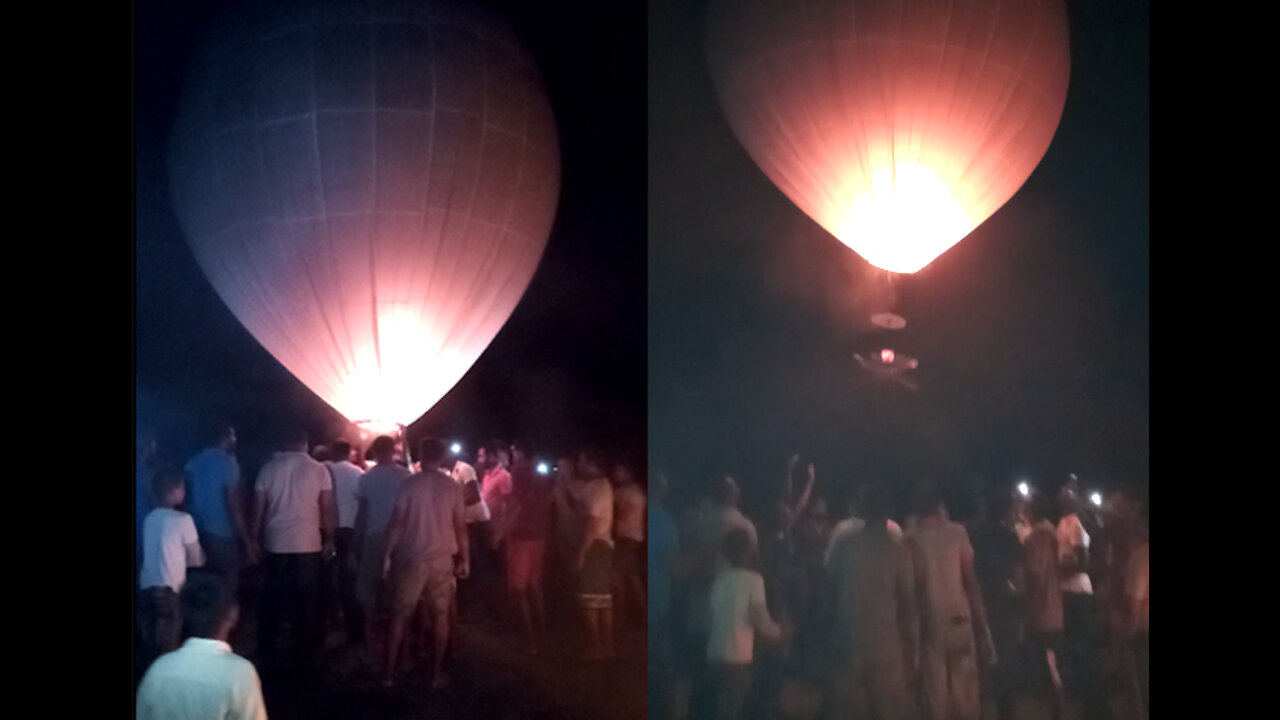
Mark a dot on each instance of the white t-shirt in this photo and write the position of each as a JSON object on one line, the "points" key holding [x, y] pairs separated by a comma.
{"points": [[346, 476], [738, 611], [478, 512], [629, 516], [291, 483], [202, 679], [1072, 535], [165, 535], [850, 526], [378, 488]]}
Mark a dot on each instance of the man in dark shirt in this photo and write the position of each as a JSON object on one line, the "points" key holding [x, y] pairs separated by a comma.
{"points": [[999, 565]]}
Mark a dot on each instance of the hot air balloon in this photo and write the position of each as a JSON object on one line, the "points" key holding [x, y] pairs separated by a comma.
{"points": [[369, 187], [897, 125]]}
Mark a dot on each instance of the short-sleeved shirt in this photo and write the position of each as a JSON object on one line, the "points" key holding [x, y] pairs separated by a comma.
{"points": [[738, 610], [291, 483], [202, 679], [850, 526], [1044, 587], [165, 535], [346, 478], [477, 511], [1072, 535], [873, 575], [378, 488], [942, 548], [628, 519], [210, 473], [428, 501], [494, 489]]}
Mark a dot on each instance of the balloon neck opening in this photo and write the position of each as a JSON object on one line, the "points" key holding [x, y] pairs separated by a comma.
{"points": [[379, 427]]}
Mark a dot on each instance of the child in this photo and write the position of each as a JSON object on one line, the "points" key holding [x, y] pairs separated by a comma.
{"points": [[738, 612], [169, 547]]}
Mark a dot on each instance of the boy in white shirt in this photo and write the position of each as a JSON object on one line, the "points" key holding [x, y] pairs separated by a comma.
{"points": [[169, 546], [738, 612]]}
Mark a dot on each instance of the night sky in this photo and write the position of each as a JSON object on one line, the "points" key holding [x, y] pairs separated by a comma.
{"points": [[1032, 333], [569, 366]]}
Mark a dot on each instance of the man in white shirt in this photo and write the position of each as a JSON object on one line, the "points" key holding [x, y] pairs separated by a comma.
{"points": [[738, 612], [956, 633], [475, 513], [340, 574], [877, 628], [169, 546], [851, 525], [295, 517], [1080, 629], [203, 679]]}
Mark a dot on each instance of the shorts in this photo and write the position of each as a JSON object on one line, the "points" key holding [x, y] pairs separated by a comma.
{"points": [[595, 579], [369, 574], [430, 580], [524, 563]]}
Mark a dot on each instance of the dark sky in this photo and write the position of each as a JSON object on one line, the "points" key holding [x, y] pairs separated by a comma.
{"points": [[568, 367], [1032, 333]]}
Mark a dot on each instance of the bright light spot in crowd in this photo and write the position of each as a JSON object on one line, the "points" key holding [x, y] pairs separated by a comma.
{"points": [[543, 469], [1096, 498], [1024, 489], [886, 356], [905, 219], [455, 448]]}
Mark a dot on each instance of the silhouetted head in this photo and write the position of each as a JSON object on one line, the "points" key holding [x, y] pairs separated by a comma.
{"points": [[737, 548], [431, 451], [209, 608], [383, 450], [168, 487]]}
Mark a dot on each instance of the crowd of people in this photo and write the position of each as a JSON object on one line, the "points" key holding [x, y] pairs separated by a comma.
{"points": [[1028, 601], [386, 548]]}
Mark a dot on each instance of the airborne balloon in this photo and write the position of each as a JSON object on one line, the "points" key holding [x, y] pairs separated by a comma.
{"points": [[369, 187], [898, 125]]}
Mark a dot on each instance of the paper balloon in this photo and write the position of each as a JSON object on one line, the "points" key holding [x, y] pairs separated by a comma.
{"points": [[898, 125], [369, 187]]}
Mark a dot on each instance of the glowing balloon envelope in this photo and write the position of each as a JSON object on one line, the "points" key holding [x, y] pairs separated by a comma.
{"points": [[897, 125], [369, 186]]}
